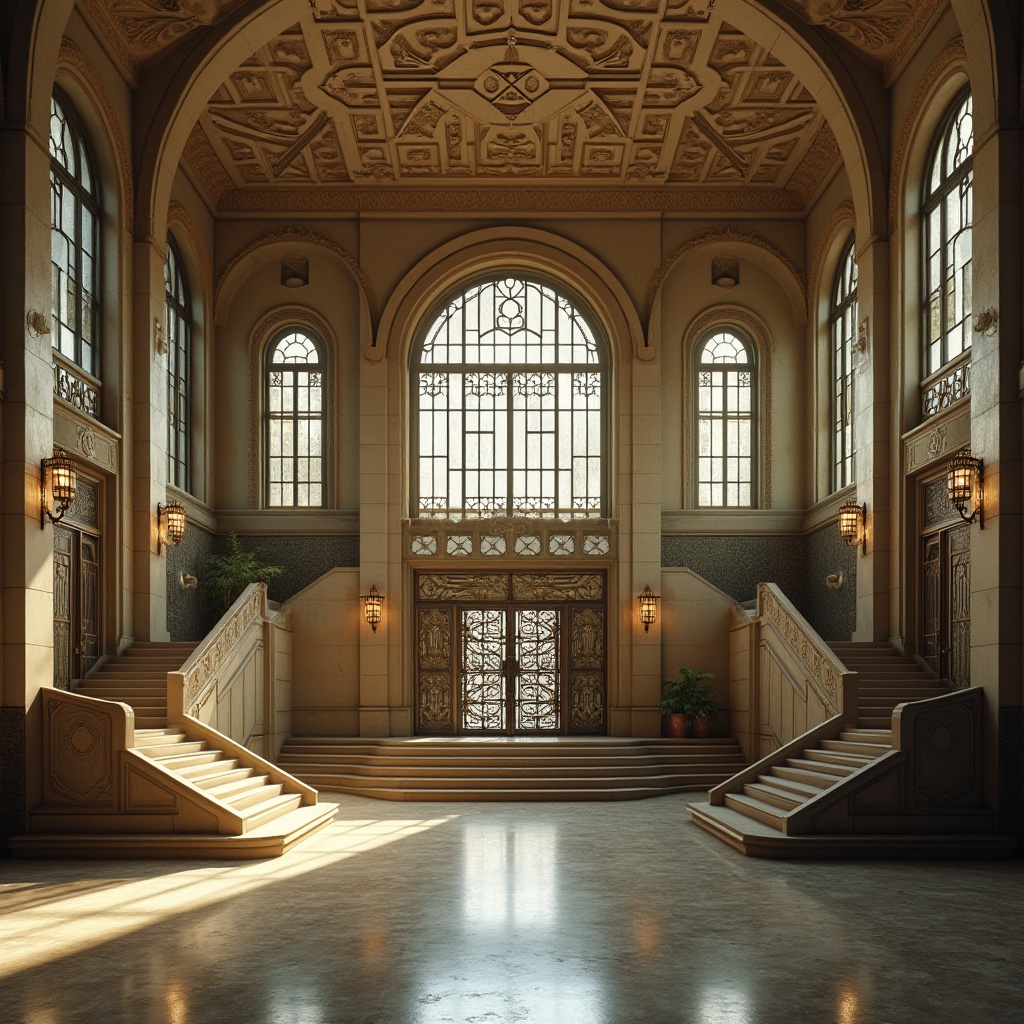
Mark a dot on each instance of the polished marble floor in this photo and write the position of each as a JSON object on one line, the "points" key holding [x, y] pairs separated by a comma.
{"points": [[491, 913]]}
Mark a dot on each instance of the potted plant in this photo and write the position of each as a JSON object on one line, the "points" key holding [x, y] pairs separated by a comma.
{"points": [[229, 574], [678, 696], [702, 709]]}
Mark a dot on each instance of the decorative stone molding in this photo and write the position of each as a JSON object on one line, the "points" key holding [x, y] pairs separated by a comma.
{"points": [[922, 14], [71, 56], [986, 323], [309, 236], [199, 673], [843, 215], [955, 53], [755, 328], [824, 671], [177, 214], [933, 441], [206, 166], [821, 159]]}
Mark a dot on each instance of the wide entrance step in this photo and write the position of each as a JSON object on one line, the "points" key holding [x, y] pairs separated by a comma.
{"points": [[556, 768]]}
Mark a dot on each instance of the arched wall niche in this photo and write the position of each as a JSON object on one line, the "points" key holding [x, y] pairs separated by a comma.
{"points": [[735, 241], [274, 244], [752, 327], [267, 330]]}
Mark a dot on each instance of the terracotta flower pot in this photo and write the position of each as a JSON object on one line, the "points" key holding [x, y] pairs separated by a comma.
{"points": [[702, 726], [678, 726]]}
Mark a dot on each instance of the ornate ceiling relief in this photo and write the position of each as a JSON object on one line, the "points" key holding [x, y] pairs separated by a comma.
{"points": [[149, 27], [427, 93], [872, 27]]}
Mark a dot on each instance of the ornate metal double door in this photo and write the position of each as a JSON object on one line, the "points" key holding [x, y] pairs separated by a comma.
{"points": [[510, 667], [946, 604], [76, 602]]}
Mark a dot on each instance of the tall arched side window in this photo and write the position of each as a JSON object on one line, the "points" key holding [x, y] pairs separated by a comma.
{"points": [[74, 244], [843, 323], [947, 214], [293, 421], [178, 328], [508, 394], [726, 421]]}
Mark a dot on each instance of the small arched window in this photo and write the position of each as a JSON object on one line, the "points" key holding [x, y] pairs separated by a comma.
{"points": [[74, 239], [294, 404], [508, 394], [843, 324], [947, 213], [178, 328], [726, 375]]}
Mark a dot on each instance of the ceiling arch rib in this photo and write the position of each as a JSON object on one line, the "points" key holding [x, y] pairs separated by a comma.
{"points": [[704, 106]]}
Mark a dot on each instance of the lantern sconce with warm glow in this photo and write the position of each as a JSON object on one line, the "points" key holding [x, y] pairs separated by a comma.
{"points": [[964, 486], [59, 481], [373, 607], [170, 525], [853, 525], [648, 608]]}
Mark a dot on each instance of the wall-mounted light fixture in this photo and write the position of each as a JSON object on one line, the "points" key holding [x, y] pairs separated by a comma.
{"points": [[59, 481], [852, 525], [373, 607], [965, 486], [170, 525], [648, 607]]}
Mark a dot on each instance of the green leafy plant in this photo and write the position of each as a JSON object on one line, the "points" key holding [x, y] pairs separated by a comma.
{"points": [[229, 574], [690, 694]]}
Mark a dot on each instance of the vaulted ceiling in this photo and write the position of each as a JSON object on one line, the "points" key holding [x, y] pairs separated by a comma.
{"points": [[658, 97]]}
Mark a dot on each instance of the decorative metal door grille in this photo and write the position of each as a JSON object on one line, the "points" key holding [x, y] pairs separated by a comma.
{"points": [[508, 399], [532, 660]]}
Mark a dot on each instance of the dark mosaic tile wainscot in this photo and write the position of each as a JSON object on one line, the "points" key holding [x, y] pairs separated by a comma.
{"points": [[189, 616], [12, 775], [797, 565], [304, 559]]}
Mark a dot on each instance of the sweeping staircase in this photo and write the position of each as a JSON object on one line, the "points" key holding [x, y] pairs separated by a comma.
{"points": [[890, 785], [464, 769], [122, 782]]}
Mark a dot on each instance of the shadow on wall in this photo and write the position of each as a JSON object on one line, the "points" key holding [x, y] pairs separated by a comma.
{"points": [[191, 615], [797, 565]]}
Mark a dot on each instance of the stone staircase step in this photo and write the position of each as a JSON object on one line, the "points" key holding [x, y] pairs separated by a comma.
{"points": [[807, 772], [834, 757], [773, 795], [216, 773], [262, 793], [774, 817], [232, 788], [799, 789], [257, 814], [855, 747]]}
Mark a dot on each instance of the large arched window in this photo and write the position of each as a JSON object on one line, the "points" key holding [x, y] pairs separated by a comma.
{"points": [[843, 327], [293, 419], [947, 213], [74, 240], [726, 376], [509, 397], [178, 327]]}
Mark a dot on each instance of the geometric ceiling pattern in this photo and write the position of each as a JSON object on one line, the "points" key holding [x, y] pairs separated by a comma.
{"points": [[661, 96]]}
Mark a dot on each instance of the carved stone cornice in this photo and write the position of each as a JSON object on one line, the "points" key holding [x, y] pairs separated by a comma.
{"points": [[176, 213], [844, 213], [915, 29], [820, 160], [98, 12], [206, 166], [511, 200], [71, 56], [309, 236], [954, 53]]}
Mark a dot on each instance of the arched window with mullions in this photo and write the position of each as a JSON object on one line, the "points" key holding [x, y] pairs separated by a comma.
{"points": [[178, 329], [726, 378], [843, 328], [74, 239], [508, 396], [293, 421], [947, 213]]}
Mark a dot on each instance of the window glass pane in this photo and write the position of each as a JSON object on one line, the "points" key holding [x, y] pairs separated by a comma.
{"points": [[511, 376]]}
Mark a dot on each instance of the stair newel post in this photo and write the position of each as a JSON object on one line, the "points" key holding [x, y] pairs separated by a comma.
{"points": [[849, 681], [175, 697]]}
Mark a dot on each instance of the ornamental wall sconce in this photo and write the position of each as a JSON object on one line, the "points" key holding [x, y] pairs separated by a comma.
{"points": [[58, 479], [965, 486], [187, 581], [648, 602], [853, 525], [373, 607], [725, 271], [986, 322], [170, 525]]}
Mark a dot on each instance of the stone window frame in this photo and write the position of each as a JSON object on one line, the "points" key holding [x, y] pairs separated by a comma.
{"points": [[178, 318], [842, 342]]}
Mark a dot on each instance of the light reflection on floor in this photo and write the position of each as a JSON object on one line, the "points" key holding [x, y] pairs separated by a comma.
{"points": [[493, 913]]}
